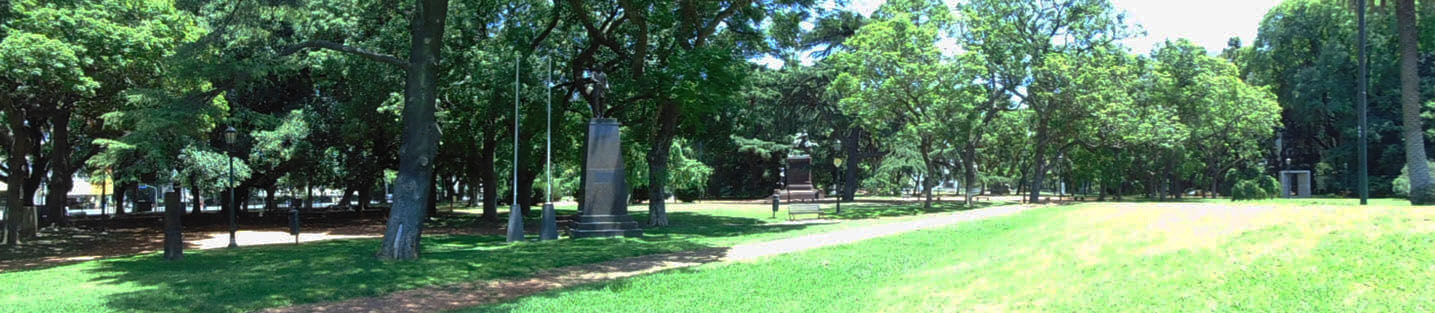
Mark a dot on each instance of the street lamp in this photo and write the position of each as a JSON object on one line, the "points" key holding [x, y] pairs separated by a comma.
{"points": [[1060, 184], [838, 163], [229, 134]]}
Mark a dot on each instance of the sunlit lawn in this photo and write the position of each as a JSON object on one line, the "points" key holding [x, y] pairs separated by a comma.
{"points": [[259, 277], [1192, 256]]}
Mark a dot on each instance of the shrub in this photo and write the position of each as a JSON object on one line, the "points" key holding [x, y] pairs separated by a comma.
{"points": [[1262, 187], [1401, 184], [687, 195], [1248, 190], [1270, 185]]}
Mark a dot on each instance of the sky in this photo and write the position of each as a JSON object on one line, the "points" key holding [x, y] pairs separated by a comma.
{"points": [[1208, 23]]}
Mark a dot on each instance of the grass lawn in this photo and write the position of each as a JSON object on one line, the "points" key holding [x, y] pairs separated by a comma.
{"points": [[1194, 256], [259, 277]]}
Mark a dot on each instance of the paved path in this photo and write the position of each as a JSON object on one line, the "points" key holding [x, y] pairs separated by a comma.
{"points": [[449, 297]]}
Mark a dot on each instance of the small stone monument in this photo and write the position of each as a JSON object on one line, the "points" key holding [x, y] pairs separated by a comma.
{"points": [[798, 184], [1295, 184], [173, 235]]}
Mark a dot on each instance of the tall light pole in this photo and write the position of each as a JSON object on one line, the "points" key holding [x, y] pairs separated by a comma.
{"points": [[515, 214], [1361, 104], [229, 134], [549, 228]]}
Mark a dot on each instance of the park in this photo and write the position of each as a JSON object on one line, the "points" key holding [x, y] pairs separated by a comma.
{"points": [[717, 156]]}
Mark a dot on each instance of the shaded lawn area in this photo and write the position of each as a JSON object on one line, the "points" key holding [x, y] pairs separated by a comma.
{"points": [[258, 277], [267, 276], [1202, 256]]}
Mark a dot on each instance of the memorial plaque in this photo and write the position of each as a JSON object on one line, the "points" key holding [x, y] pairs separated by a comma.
{"points": [[605, 198]]}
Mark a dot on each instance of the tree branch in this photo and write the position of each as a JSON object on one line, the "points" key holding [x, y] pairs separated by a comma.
{"points": [[325, 44], [712, 26]]}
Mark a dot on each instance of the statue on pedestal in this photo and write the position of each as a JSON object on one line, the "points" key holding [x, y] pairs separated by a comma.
{"points": [[605, 194]]}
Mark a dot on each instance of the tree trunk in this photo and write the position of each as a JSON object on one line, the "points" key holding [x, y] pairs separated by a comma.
{"points": [[366, 193], [658, 163], [61, 173], [119, 197], [432, 205], [14, 204], [849, 176], [926, 147], [346, 199], [526, 176], [419, 136], [1421, 190], [269, 203], [198, 200], [1101, 190], [1038, 166], [488, 178], [969, 167]]}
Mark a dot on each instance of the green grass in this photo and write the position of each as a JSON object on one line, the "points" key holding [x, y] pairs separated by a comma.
{"points": [[1201, 256], [260, 277], [268, 276]]}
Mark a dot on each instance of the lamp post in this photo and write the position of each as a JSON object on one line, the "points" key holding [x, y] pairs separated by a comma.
{"points": [[1362, 103], [515, 213], [549, 229], [1060, 184], [838, 163], [229, 134]]}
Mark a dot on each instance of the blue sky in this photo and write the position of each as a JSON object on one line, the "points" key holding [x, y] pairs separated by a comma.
{"points": [[1208, 23]]}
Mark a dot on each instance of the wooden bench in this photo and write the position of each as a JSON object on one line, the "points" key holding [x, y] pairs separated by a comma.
{"points": [[803, 208]]}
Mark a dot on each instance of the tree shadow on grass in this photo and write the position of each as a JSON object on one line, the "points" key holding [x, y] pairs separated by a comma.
{"points": [[271, 276]]}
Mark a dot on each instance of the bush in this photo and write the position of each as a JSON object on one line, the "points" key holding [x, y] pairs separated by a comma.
{"points": [[1271, 186], [687, 195], [1247, 190], [1401, 184], [1263, 187]]}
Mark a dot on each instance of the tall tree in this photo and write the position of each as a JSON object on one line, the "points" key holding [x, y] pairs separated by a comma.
{"points": [[1023, 38], [1422, 191], [895, 74], [419, 142]]}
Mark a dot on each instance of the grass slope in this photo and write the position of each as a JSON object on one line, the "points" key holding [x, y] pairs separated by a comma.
{"points": [[1201, 256]]}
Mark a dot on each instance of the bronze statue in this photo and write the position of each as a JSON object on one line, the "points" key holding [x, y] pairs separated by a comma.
{"points": [[597, 91]]}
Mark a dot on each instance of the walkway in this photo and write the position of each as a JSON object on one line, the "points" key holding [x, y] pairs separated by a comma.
{"points": [[450, 297]]}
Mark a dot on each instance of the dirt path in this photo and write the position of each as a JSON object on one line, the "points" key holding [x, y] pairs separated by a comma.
{"points": [[450, 297]]}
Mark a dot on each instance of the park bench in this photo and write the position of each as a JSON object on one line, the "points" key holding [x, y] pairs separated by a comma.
{"points": [[803, 208]]}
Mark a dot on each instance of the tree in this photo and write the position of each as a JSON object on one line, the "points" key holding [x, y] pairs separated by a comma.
{"points": [[894, 73], [1422, 191], [1023, 39], [420, 134], [669, 59]]}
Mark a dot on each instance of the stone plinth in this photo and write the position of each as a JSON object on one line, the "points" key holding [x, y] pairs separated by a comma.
{"points": [[1295, 184], [799, 180], [605, 197]]}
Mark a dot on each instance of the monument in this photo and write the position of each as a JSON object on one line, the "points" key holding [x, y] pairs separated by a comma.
{"points": [[798, 182], [605, 196], [1295, 184], [173, 234]]}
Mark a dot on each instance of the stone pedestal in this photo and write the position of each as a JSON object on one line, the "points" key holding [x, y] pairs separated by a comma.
{"points": [[799, 180], [605, 198], [549, 229], [173, 237]]}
